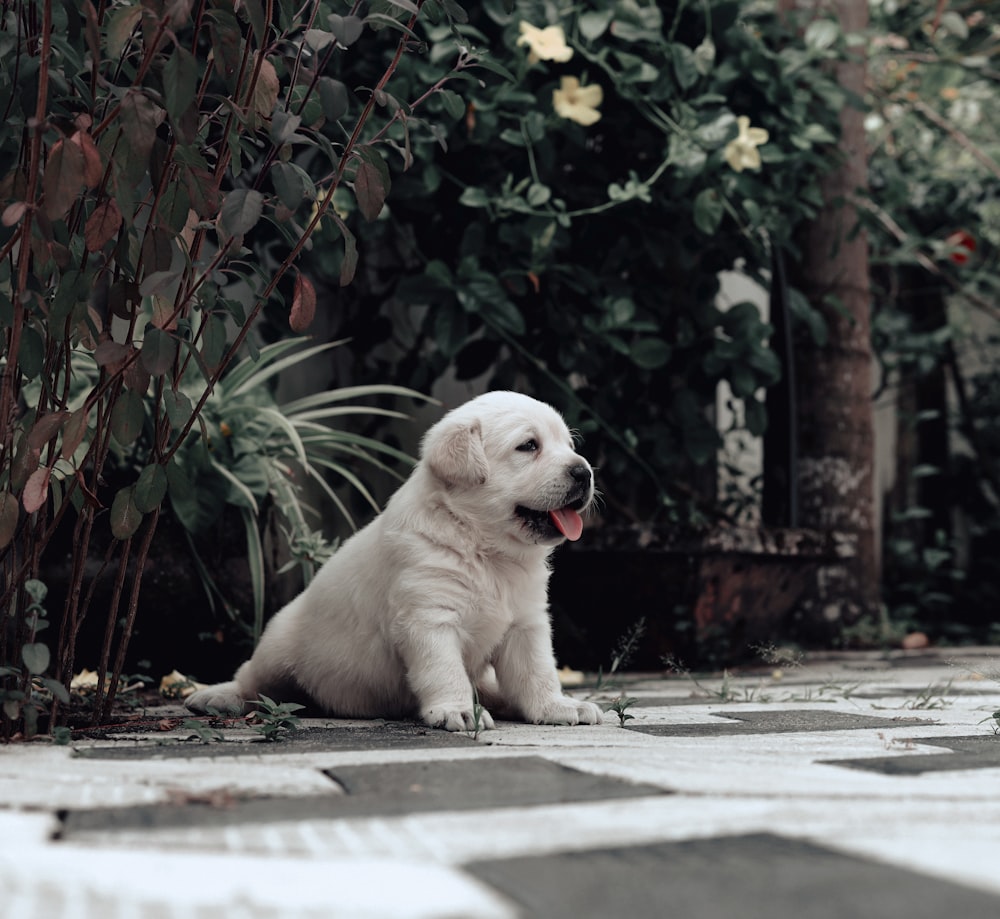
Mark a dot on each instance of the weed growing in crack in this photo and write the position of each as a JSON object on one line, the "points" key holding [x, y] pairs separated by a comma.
{"points": [[995, 718], [201, 731], [477, 715], [933, 696], [620, 707], [275, 719], [624, 651]]}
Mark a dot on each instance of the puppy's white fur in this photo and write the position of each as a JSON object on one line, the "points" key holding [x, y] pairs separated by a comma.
{"points": [[444, 591]]}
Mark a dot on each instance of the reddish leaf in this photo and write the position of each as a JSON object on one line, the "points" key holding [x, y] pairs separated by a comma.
{"points": [[92, 30], [178, 11], [264, 93], [26, 461], [157, 250], [303, 304], [350, 263], [13, 213], [204, 191], [110, 354], [8, 518], [63, 179], [371, 183], [120, 25], [102, 225], [140, 118], [93, 167], [36, 489], [45, 428], [136, 377], [224, 30], [74, 432]]}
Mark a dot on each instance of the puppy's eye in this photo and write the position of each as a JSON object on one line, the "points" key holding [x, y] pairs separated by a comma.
{"points": [[529, 446]]}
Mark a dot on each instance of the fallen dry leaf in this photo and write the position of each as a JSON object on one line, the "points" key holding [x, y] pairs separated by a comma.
{"points": [[176, 685]]}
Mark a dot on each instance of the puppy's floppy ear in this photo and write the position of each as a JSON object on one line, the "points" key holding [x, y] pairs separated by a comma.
{"points": [[454, 452]]}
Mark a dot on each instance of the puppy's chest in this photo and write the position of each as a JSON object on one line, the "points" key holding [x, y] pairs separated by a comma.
{"points": [[500, 595]]}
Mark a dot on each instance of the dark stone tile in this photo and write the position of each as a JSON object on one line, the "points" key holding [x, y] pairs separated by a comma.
{"points": [[390, 735], [751, 877], [386, 789], [980, 751], [776, 722]]}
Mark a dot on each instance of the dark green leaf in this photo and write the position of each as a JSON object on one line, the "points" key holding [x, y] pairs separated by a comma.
{"points": [[57, 689], [178, 407], [594, 23], [334, 98], [346, 29], [150, 488], [159, 349], [685, 65], [708, 210], [31, 357], [756, 417], [125, 516], [290, 184], [283, 126], [127, 417], [240, 212], [650, 353], [454, 10], [487, 63], [180, 82], [213, 339], [454, 104], [36, 657]]}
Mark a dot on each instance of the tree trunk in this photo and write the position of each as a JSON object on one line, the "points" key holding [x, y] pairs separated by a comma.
{"points": [[834, 413]]}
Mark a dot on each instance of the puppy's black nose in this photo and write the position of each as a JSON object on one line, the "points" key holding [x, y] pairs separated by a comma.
{"points": [[580, 473]]}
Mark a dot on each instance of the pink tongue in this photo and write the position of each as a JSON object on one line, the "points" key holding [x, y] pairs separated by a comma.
{"points": [[568, 522]]}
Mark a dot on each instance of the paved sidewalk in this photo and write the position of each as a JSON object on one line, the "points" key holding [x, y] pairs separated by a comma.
{"points": [[852, 785]]}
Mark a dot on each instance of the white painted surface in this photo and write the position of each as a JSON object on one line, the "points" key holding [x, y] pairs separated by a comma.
{"points": [[942, 824]]}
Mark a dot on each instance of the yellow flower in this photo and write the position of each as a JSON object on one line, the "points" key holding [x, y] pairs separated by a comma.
{"points": [[741, 152], [577, 103], [548, 44]]}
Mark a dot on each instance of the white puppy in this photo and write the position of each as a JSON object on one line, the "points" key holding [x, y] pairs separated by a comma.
{"points": [[445, 590]]}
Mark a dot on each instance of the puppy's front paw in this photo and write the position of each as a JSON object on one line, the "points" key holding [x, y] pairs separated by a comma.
{"points": [[565, 710], [455, 718], [223, 697]]}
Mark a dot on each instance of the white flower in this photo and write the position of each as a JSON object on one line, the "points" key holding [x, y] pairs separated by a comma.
{"points": [[578, 103], [548, 44], [741, 152]]}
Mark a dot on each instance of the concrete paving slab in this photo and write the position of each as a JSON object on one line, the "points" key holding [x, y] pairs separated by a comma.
{"points": [[375, 736], [181, 886], [754, 877], [384, 789], [822, 767], [776, 722], [975, 752]]}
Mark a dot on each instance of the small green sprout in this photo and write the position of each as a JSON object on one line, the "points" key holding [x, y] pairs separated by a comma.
{"points": [[620, 707], [276, 719]]}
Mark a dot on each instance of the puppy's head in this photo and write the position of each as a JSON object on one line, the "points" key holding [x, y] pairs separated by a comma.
{"points": [[511, 465]]}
